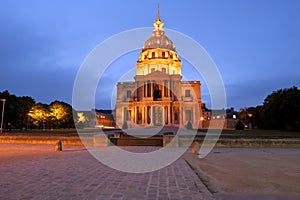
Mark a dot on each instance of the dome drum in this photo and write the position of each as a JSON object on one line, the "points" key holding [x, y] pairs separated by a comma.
{"points": [[158, 54]]}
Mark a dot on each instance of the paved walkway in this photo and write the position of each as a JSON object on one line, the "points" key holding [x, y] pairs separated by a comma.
{"points": [[37, 172]]}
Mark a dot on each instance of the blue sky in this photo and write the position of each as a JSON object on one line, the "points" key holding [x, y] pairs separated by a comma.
{"points": [[255, 44]]}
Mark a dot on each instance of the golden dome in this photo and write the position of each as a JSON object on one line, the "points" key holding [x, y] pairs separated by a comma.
{"points": [[158, 38], [158, 53], [160, 41]]}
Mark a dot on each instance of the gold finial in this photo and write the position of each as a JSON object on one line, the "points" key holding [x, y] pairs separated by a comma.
{"points": [[158, 13]]}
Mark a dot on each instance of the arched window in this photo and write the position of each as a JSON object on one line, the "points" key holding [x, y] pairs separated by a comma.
{"points": [[153, 54], [164, 54]]}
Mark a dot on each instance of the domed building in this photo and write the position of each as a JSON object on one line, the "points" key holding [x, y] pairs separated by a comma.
{"points": [[158, 96]]}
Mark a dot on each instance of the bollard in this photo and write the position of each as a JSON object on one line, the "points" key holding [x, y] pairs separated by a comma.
{"points": [[195, 148], [58, 146], [101, 140], [171, 141]]}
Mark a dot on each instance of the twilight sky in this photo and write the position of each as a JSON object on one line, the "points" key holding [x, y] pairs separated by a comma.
{"points": [[254, 43]]}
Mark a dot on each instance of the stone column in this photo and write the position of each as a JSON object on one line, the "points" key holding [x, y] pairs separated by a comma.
{"points": [[151, 116], [145, 88], [143, 115], [136, 115], [163, 90], [172, 115], [163, 115], [182, 116], [136, 89], [151, 88], [122, 116], [170, 89], [195, 120], [169, 114], [133, 114]]}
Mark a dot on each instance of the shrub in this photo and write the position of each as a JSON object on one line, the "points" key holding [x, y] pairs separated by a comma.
{"points": [[239, 126]]}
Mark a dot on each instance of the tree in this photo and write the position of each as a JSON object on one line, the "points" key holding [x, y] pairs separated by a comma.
{"points": [[22, 112], [281, 109], [61, 114], [84, 119], [24, 106], [251, 116], [16, 109], [40, 114]]}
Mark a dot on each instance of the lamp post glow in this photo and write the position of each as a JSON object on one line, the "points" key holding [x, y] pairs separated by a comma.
{"points": [[3, 105]]}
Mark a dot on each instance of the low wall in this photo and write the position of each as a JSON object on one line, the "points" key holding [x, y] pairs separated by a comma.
{"points": [[271, 143], [184, 141], [76, 141], [181, 141]]}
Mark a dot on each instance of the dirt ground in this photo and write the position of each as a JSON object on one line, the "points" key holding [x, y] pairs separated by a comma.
{"points": [[252, 173]]}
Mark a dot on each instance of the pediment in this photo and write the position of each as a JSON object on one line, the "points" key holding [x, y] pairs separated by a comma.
{"points": [[157, 74]]}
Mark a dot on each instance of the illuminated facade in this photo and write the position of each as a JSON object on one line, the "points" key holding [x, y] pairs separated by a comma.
{"points": [[158, 96]]}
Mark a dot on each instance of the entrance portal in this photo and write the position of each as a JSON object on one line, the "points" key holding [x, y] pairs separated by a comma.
{"points": [[157, 116]]}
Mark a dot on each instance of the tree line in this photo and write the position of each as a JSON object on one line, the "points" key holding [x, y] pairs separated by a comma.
{"points": [[280, 111], [24, 113]]}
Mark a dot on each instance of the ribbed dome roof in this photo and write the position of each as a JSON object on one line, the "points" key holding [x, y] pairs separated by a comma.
{"points": [[159, 41]]}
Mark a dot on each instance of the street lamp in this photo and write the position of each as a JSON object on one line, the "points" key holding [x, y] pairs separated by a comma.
{"points": [[3, 105]]}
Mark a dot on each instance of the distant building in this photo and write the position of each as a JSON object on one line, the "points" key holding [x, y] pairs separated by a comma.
{"points": [[105, 119], [94, 119], [213, 118], [158, 96]]}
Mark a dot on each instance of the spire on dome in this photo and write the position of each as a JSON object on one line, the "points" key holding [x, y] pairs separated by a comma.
{"points": [[158, 24], [158, 13]]}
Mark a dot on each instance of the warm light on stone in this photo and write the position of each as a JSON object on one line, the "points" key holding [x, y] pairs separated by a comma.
{"points": [[158, 96]]}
